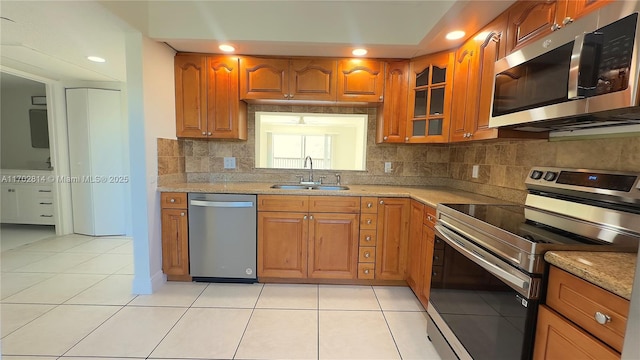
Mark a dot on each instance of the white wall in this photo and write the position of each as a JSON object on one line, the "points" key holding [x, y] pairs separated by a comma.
{"points": [[15, 143], [151, 110]]}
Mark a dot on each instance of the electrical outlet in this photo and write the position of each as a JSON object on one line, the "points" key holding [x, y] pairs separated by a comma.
{"points": [[387, 167], [229, 163], [475, 170]]}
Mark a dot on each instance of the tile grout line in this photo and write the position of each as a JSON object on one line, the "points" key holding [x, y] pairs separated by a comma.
{"points": [[388, 326], [235, 353], [177, 321]]}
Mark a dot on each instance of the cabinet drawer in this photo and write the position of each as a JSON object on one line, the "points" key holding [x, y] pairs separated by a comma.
{"points": [[367, 254], [290, 203], [334, 204], [368, 221], [580, 301], [368, 237], [430, 216], [438, 257], [369, 205], [173, 200], [366, 271]]}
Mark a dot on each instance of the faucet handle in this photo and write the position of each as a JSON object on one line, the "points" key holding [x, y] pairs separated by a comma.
{"points": [[337, 179], [301, 177], [321, 177]]}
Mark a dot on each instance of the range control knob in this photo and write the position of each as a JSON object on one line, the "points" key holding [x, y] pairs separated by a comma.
{"points": [[536, 174], [550, 175]]}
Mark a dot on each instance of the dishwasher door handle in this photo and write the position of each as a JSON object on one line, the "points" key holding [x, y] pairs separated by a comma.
{"points": [[223, 204]]}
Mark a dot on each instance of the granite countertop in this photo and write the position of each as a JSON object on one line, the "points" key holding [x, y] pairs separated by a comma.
{"points": [[429, 195], [611, 271]]}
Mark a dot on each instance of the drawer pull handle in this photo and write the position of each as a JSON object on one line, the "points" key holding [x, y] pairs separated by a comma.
{"points": [[366, 271], [602, 318], [367, 255], [46, 203], [172, 200], [429, 217], [368, 238], [47, 191], [46, 216], [381, 202], [368, 221], [369, 205]]}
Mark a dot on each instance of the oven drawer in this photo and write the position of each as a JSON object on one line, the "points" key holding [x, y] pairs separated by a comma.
{"points": [[585, 304]]}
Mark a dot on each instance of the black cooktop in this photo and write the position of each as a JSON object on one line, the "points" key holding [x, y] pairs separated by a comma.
{"points": [[512, 218]]}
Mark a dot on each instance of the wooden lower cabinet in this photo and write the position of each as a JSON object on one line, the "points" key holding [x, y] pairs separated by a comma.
{"points": [[310, 239], [282, 244], [333, 246], [415, 259], [392, 236], [558, 338], [175, 236], [424, 285]]}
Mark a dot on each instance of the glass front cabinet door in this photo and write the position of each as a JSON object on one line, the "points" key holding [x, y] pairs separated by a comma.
{"points": [[430, 84]]}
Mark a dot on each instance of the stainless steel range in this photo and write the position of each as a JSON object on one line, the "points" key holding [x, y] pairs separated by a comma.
{"points": [[483, 303]]}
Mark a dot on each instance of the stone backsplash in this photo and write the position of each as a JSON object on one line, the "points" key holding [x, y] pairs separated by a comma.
{"points": [[503, 164], [411, 164]]}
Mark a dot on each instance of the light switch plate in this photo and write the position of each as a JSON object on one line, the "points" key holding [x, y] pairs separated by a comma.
{"points": [[229, 162]]}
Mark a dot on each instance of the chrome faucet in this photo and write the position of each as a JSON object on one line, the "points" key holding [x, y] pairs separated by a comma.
{"points": [[310, 167]]}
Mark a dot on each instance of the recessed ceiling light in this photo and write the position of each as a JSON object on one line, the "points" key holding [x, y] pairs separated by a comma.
{"points": [[455, 35], [359, 52], [96, 59], [226, 48]]}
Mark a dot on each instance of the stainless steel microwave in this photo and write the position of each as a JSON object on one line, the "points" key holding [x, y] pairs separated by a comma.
{"points": [[580, 77]]}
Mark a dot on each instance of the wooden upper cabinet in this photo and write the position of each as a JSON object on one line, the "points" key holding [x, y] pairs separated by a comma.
{"points": [[392, 118], [207, 98], [429, 102], [226, 114], [313, 79], [191, 92], [360, 80], [262, 78], [532, 20], [473, 83]]}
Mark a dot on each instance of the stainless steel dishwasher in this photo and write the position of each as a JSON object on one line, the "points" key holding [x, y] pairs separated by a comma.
{"points": [[222, 237]]}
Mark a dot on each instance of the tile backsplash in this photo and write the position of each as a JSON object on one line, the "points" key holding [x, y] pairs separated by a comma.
{"points": [[411, 164], [503, 164]]}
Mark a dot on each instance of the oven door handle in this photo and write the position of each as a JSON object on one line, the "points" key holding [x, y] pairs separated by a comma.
{"points": [[458, 243]]}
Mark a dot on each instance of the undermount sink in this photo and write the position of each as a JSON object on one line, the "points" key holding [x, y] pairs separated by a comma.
{"points": [[309, 187]]}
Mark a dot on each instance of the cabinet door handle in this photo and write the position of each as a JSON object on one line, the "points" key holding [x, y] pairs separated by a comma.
{"points": [[381, 202], [290, 96], [305, 217], [44, 191], [182, 214], [406, 139], [204, 133], [602, 318], [209, 133], [380, 97], [369, 205], [567, 20], [311, 217], [286, 95], [46, 216], [385, 138], [46, 203], [555, 27]]}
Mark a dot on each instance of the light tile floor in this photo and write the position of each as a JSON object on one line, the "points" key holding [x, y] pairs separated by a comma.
{"points": [[69, 297]]}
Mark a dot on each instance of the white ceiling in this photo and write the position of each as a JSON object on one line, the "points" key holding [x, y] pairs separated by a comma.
{"points": [[53, 38]]}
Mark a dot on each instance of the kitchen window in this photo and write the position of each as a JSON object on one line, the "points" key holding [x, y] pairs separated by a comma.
{"points": [[333, 141]]}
